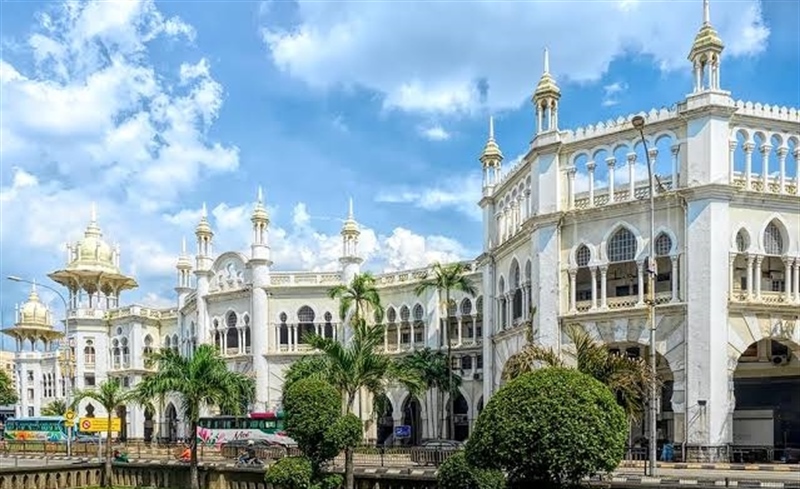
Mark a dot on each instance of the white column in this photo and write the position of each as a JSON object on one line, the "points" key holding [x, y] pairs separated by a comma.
{"points": [[787, 274], [509, 309], [782, 152], [757, 275], [765, 149], [572, 292], [748, 165], [797, 279], [732, 145], [590, 166], [796, 154], [631, 176], [674, 279], [603, 287], [474, 334], [611, 162], [294, 337], [571, 187], [593, 271], [640, 278], [750, 265], [399, 336], [460, 333], [386, 338], [653, 152], [731, 277]]}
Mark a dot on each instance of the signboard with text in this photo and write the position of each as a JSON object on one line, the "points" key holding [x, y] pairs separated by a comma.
{"points": [[402, 431], [99, 425]]}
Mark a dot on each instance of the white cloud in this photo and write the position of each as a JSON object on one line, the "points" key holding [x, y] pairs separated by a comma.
{"points": [[612, 91], [449, 57], [458, 193], [434, 132]]}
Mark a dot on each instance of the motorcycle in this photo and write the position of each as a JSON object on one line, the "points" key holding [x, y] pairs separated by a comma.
{"points": [[245, 461]]}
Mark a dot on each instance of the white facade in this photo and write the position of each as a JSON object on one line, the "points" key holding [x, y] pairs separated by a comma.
{"points": [[566, 233]]}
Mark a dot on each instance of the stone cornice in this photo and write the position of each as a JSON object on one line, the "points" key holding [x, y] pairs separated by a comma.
{"points": [[223, 295], [618, 209], [772, 309], [718, 191], [669, 308]]}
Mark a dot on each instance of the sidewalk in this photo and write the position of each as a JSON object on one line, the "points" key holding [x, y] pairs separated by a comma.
{"points": [[776, 467]]}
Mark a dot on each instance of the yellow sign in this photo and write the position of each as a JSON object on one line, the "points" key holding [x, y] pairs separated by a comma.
{"points": [[95, 425], [69, 416]]}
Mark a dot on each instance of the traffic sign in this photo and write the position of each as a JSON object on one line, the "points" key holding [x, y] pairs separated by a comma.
{"points": [[99, 425], [402, 431], [69, 416]]}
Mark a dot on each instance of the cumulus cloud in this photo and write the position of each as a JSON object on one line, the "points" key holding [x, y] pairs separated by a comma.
{"points": [[457, 193], [385, 47], [612, 92], [434, 132]]}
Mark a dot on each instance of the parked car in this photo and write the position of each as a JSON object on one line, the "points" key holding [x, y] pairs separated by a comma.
{"points": [[434, 452]]}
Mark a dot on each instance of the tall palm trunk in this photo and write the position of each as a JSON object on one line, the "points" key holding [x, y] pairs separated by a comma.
{"points": [[439, 394], [450, 403], [108, 468], [349, 463], [193, 473]]}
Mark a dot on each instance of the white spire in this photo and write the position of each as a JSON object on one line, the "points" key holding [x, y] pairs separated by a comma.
{"points": [[350, 209], [183, 245], [547, 58], [706, 12], [93, 215], [491, 127], [204, 212], [260, 195]]}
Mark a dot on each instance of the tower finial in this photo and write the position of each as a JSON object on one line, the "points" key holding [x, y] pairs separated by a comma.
{"points": [[547, 58], [93, 215], [706, 12], [350, 209], [204, 212], [183, 245], [260, 195], [491, 127]]}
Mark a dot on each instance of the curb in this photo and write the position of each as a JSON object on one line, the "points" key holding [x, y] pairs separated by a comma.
{"points": [[721, 466], [705, 482]]}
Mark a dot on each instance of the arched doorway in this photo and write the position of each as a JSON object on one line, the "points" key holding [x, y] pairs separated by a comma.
{"points": [[766, 419], [171, 432], [461, 415], [148, 424], [665, 421], [122, 414], [385, 417], [412, 416]]}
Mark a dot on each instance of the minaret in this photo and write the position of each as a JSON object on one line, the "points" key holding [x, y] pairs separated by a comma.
{"points": [[491, 160], [203, 272], [705, 54], [260, 333], [545, 99], [351, 262]]}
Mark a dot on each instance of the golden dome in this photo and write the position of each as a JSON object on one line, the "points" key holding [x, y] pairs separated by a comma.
{"points": [[547, 87], [93, 253], [707, 40], [203, 227], [350, 226], [491, 154], [184, 262], [33, 313]]}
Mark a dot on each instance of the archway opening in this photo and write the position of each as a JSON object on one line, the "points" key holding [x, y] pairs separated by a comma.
{"points": [[122, 414], [766, 420], [148, 424], [384, 414], [171, 432], [665, 421], [461, 418], [412, 416]]}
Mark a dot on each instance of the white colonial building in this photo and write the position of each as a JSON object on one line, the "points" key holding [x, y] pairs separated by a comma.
{"points": [[565, 233]]}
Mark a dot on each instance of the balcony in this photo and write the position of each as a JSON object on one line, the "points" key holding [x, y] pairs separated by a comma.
{"points": [[620, 303]]}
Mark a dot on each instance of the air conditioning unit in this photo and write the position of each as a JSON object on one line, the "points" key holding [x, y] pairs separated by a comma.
{"points": [[477, 376], [780, 360]]}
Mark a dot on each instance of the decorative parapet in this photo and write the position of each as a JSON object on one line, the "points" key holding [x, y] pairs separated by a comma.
{"points": [[766, 111], [621, 123], [304, 279]]}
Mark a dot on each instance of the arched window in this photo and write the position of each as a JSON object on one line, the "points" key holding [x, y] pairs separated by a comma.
{"points": [[466, 307], [328, 331], [246, 319], [305, 321], [175, 343], [405, 314], [115, 353], [147, 351], [773, 240], [742, 241], [503, 310], [232, 332], [663, 245], [391, 315], [622, 246], [89, 353], [583, 255], [126, 353], [516, 305], [283, 329]]}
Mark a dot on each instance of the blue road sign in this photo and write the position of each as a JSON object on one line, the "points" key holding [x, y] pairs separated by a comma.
{"points": [[402, 431]]}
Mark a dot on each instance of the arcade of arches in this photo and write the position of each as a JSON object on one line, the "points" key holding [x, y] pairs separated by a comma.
{"points": [[420, 422]]}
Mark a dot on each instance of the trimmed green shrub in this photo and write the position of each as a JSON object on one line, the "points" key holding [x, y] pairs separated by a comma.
{"points": [[290, 473], [554, 425], [455, 473]]}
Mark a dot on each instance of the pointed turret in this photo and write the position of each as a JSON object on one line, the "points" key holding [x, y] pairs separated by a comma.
{"points": [[545, 98], [491, 160], [204, 236], [259, 247], [184, 266], [706, 53], [350, 260]]}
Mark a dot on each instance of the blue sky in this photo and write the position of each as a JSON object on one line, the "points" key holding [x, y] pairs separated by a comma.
{"points": [[152, 108]]}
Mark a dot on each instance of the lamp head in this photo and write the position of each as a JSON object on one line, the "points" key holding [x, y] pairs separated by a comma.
{"points": [[14, 278], [638, 122]]}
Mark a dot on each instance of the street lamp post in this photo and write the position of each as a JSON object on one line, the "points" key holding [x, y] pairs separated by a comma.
{"points": [[638, 124], [67, 367]]}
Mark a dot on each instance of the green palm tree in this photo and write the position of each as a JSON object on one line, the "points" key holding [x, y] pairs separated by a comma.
{"points": [[55, 408], [202, 381], [432, 368], [447, 279], [359, 363], [628, 378], [111, 396]]}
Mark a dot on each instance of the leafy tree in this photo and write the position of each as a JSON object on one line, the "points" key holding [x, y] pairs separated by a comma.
{"points": [[628, 378], [310, 366], [202, 380], [358, 298], [554, 426], [55, 408], [8, 395], [434, 371], [110, 395], [447, 279], [315, 421], [456, 473]]}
